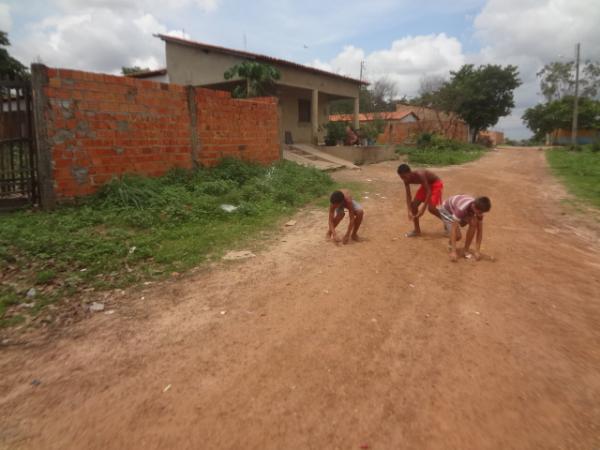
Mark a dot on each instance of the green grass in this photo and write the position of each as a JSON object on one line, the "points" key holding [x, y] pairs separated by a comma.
{"points": [[138, 228], [434, 150], [580, 171]]}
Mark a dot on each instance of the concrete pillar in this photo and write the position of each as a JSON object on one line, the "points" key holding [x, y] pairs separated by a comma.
{"points": [[355, 122], [314, 115]]}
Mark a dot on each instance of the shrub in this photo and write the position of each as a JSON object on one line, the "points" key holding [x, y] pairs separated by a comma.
{"points": [[336, 131]]}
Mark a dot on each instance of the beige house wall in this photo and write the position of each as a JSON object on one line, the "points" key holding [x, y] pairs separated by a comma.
{"points": [[193, 66]]}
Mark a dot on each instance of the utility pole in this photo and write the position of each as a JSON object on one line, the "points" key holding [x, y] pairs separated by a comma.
{"points": [[576, 101], [362, 64]]}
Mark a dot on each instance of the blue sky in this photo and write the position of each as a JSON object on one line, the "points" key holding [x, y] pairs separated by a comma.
{"points": [[402, 41]]}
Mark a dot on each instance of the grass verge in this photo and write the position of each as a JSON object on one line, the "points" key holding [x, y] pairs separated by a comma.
{"points": [[580, 171], [435, 150], [140, 228]]}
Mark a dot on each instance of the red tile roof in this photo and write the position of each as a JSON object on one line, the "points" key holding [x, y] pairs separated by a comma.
{"points": [[255, 56], [424, 113], [388, 115], [147, 73]]}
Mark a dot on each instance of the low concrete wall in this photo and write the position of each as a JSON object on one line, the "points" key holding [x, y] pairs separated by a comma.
{"points": [[362, 155]]}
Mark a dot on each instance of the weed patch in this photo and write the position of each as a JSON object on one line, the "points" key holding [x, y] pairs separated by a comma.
{"points": [[435, 150], [580, 171], [139, 228]]}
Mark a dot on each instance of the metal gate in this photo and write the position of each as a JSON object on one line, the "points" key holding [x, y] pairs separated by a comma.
{"points": [[18, 169]]}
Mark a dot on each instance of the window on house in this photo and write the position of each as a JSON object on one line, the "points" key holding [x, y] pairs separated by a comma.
{"points": [[303, 110]]}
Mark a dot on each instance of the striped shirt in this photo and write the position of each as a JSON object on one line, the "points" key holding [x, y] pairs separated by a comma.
{"points": [[459, 206]]}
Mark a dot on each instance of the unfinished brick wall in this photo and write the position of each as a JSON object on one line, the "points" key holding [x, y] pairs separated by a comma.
{"points": [[407, 132], [99, 126], [245, 129]]}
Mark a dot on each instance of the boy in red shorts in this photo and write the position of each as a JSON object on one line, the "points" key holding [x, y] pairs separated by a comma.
{"points": [[429, 194]]}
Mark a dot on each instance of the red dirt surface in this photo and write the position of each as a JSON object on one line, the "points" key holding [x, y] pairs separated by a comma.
{"points": [[379, 344]]}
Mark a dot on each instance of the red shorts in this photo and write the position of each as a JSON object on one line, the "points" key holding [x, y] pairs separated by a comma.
{"points": [[436, 193]]}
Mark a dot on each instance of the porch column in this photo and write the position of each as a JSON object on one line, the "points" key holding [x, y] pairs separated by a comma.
{"points": [[314, 115], [355, 123]]}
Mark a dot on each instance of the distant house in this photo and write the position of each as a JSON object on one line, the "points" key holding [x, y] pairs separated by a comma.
{"points": [[160, 75], [408, 121], [563, 136], [304, 92], [495, 137]]}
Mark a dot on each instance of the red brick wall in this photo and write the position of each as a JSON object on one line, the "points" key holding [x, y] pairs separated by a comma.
{"points": [[245, 129], [401, 132], [101, 126], [496, 137]]}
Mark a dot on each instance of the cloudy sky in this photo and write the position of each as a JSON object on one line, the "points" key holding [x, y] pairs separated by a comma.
{"points": [[398, 39]]}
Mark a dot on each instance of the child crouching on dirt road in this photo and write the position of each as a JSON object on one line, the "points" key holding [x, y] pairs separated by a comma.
{"points": [[429, 194], [338, 201], [460, 210]]}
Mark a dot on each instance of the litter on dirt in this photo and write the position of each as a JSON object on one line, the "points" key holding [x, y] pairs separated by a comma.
{"points": [[96, 307], [228, 208], [167, 387], [242, 254], [290, 223]]}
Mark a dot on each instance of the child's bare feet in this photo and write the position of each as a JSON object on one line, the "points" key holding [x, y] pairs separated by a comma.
{"points": [[355, 238], [453, 257], [412, 233]]}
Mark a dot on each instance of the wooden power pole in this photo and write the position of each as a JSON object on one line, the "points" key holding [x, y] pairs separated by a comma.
{"points": [[576, 101]]}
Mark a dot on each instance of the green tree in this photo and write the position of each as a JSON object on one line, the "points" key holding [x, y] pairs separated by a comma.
{"points": [[378, 97], [557, 80], [259, 78], [133, 69], [479, 96], [9, 66], [547, 117]]}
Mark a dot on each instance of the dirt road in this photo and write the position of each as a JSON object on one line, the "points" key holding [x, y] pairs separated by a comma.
{"points": [[380, 344]]}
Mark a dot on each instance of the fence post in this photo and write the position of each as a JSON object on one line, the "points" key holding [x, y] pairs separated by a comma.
{"points": [[194, 138], [39, 80]]}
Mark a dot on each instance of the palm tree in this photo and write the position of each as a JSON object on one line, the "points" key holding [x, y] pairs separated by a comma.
{"points": [[260, 78]]}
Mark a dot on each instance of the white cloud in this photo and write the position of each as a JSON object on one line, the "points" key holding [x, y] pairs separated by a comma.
{"points": [[5, 19], [531, 33], [134, 5], [99, 41], [407, 61]]}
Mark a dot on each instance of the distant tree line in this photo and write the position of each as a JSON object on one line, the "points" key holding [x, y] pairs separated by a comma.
{"points": [[557, 85]]}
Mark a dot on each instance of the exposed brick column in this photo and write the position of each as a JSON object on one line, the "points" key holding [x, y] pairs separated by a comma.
{"points": [[39, 81], [196, 144]]}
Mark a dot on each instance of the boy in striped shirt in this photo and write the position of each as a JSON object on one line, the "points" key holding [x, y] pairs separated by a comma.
{"points": [[460, 210]]}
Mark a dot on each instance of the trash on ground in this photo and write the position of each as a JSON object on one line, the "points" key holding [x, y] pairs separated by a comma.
{"points": [[167, 387], [290, 223], [242, 254], [31, 293], [228, 208], [96, 307]]}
